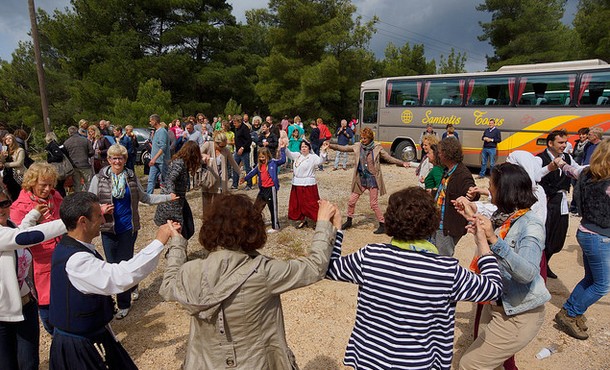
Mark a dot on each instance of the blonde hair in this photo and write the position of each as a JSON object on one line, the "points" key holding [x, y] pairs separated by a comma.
{"points": [[600, 161], [117, 150], [431, 139], [50, 137], [38, 170], [220, 137], [97, 134]]}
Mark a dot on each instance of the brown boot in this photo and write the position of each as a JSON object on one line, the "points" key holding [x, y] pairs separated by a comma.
{"points": [[581, 320], [570, 325]]}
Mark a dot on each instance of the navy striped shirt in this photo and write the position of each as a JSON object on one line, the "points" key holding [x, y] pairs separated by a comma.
{"points": [[406, 304]]}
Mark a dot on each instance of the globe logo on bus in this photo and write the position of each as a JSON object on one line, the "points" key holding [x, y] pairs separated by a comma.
{"points": [[406, 116]]}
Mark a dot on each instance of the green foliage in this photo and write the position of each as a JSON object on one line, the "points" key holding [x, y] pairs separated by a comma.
{"points": [[123, 60], [527, 31], [592, 23], [406, 61], [318, 57], [151, 99], [232, 108], [455, 63]]}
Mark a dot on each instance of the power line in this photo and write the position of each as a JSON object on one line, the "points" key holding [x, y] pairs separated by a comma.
{"points": [[470, 52]]}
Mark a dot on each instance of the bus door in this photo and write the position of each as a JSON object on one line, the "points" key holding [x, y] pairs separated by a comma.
{"points": [[369, 111]]}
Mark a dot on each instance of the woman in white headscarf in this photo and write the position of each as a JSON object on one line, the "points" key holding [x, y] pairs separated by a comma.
{"points": [[533, 166]]}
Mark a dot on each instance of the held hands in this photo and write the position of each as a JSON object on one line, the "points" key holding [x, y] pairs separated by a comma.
{"points": [[473, 190], [481, 227], [464, 207], [173, 197], [556, 163], [42, 208], [171, 228], [327, 210]]}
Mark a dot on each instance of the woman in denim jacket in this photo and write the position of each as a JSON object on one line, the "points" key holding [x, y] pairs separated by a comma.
{"points": [[516, 237]]}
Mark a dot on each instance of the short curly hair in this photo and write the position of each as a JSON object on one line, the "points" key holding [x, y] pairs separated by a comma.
{"points": [[412, 214], [232, 222], [38, 170]]}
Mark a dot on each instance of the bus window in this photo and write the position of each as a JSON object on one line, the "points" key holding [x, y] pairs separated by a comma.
{"points": [[594, 89], [369, 107], [488, 91], [402, 93], [444, 92], [545, 90]]}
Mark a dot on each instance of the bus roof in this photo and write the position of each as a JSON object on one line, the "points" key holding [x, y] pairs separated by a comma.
{"points": [[574, 65]]}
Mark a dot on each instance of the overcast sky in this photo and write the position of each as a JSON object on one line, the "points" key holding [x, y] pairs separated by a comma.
{"points": [[438, 24]]}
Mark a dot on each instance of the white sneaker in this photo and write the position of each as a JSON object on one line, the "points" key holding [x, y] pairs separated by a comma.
{"points": [[135, 295], [121, 313], [271, 231]]}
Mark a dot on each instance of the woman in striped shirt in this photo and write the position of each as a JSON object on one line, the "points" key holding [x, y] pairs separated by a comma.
{"points": [[407, 293]]}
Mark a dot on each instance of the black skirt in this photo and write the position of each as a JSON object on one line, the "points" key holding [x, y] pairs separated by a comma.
{"points": [[99, 351]]}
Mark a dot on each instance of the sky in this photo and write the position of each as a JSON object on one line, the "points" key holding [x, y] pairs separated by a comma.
{"points": [[438, 24]]}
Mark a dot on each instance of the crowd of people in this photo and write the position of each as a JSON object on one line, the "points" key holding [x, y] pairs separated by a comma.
{"points": [[407, 288]]}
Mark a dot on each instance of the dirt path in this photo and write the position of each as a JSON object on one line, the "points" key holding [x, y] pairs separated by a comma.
{"points": [[319, 318]]}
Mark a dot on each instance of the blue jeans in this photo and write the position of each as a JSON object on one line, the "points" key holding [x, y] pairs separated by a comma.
{"points": [[154, 175], [245, 158], [19, 341], [596, 283], [117, 248], [341, 156], [487, 154]]}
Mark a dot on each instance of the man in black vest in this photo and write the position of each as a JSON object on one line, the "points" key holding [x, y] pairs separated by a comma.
{"points": [[81, 286], [556, 185]]}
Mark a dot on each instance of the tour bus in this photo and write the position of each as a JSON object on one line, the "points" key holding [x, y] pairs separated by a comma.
{"points": [[526, 102]]}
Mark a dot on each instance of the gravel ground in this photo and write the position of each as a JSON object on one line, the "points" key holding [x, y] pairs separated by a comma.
{"points": [[319, 318]]}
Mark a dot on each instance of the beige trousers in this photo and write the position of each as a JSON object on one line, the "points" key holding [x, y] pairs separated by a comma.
{"points": [[501, 336]]}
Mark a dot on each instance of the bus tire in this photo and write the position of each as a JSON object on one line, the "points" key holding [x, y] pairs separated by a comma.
{"points": [[405, 151]]}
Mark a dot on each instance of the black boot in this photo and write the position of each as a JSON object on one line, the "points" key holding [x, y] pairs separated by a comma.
{"points": [[347, 224], [380, 229]]}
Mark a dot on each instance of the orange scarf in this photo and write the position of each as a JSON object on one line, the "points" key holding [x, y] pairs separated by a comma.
{"points": [[502, 231]]}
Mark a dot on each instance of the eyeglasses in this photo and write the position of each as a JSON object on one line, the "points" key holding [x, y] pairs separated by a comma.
{"points": [[116, 159], [5, 203]]}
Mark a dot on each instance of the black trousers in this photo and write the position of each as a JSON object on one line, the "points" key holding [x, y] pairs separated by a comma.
{"points": [[268, 196], [556, 226]]}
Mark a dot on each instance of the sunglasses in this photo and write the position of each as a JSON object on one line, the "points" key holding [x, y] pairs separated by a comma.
{"points": [[5, 203]]}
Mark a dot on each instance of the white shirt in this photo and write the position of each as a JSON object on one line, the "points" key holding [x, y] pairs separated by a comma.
{"points": [[304, 167], [91, 275]]}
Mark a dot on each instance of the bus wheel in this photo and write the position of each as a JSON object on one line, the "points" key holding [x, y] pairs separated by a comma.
{"points": [[405, 151]]}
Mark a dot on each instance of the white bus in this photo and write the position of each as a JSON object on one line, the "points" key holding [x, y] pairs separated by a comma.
{"points": [[526, 101]]}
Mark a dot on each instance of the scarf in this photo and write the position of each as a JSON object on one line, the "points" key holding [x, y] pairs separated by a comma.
{"points": [[48, 215], [502, 223], [441, 193], [367, 180], [415, 245], [119, 182]]}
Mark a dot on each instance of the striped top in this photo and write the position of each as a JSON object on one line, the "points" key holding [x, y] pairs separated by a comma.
{"points": [[406, 304]]}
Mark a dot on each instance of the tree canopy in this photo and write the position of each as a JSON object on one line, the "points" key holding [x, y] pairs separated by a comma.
{"points": [[123, 60]]}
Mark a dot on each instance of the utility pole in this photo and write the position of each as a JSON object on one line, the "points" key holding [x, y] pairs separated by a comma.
{"points": [[39, 69]]}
